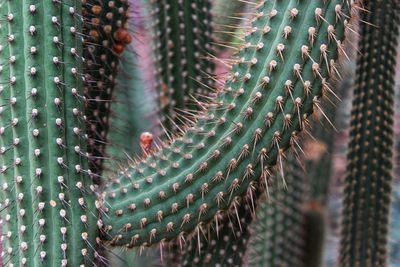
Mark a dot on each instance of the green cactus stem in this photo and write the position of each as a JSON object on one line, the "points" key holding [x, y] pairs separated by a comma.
{"points": [[181, 42], [279, 229], [367, 190], [131, 106], [106, 35], [225, 246], [48, 214], [256, 117]]}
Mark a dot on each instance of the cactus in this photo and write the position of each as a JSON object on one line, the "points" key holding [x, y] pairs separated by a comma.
{"points": [[226, 242], [227, 20], [106, 36], [279, 229], [48, 208], [261, 109], [368, 183], [181, 41], [131, 105], [58, 63]]}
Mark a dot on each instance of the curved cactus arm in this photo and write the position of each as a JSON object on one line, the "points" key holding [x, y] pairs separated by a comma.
{"points": [[246, 129], [181, 34], [368, 183], [48, 208]]}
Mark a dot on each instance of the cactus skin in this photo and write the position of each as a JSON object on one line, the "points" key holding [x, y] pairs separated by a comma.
{"points": [[181, 41], [130, 107], [368, 183], [226, 16], [106, 35], [48, 208], [225, 246], [205, 171], [315, 221], [279, 229]]}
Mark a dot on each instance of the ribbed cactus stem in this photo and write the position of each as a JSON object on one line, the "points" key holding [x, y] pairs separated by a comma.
{"points": [[279, 230], [181, 42], [274, 85], [368, 183], [227, 20], [106, 35], [225, 245], [131, 111], [48, 211]]}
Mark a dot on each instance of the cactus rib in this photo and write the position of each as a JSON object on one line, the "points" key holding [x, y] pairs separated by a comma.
{"points": [[246, 129], [48, 201], [106, 36]]}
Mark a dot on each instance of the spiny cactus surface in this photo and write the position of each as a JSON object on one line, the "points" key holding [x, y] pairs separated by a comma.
{"points": [[48, 212], [368, 182], [246, 129], [106, 35], [181, 43], [226, 243], [279, 230]]}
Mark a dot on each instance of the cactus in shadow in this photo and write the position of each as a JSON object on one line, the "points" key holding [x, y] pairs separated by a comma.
{"points": [[279, 229], [132, 105], [261, 110], [368, 183], [181, 43], [227, 20], [106, 34], [224, 244]]}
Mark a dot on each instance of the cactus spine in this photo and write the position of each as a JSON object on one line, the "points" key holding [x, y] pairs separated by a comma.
{"points": [[226, 243], [279, 228], [368, 182], [106, 36], [48, 203], [181, 42], [261, 109]]}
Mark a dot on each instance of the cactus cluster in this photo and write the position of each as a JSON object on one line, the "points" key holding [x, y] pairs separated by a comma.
{"points": [[105, 35], [83, 168]]}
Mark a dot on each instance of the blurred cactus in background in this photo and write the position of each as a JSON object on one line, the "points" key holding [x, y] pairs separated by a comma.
{"points": [[181, 133]]}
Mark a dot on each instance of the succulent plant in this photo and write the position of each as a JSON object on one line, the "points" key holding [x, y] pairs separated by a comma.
{"points": [[226, 141], [181, 187], [181, 37], [369, 180]]}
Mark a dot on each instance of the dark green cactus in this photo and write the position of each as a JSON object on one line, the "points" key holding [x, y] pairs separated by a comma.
{"points": [[227, 20], [48, 212], [261, 109], [368, 183], [181, 43], [225, 243], [106, 36], [131, 106]]}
